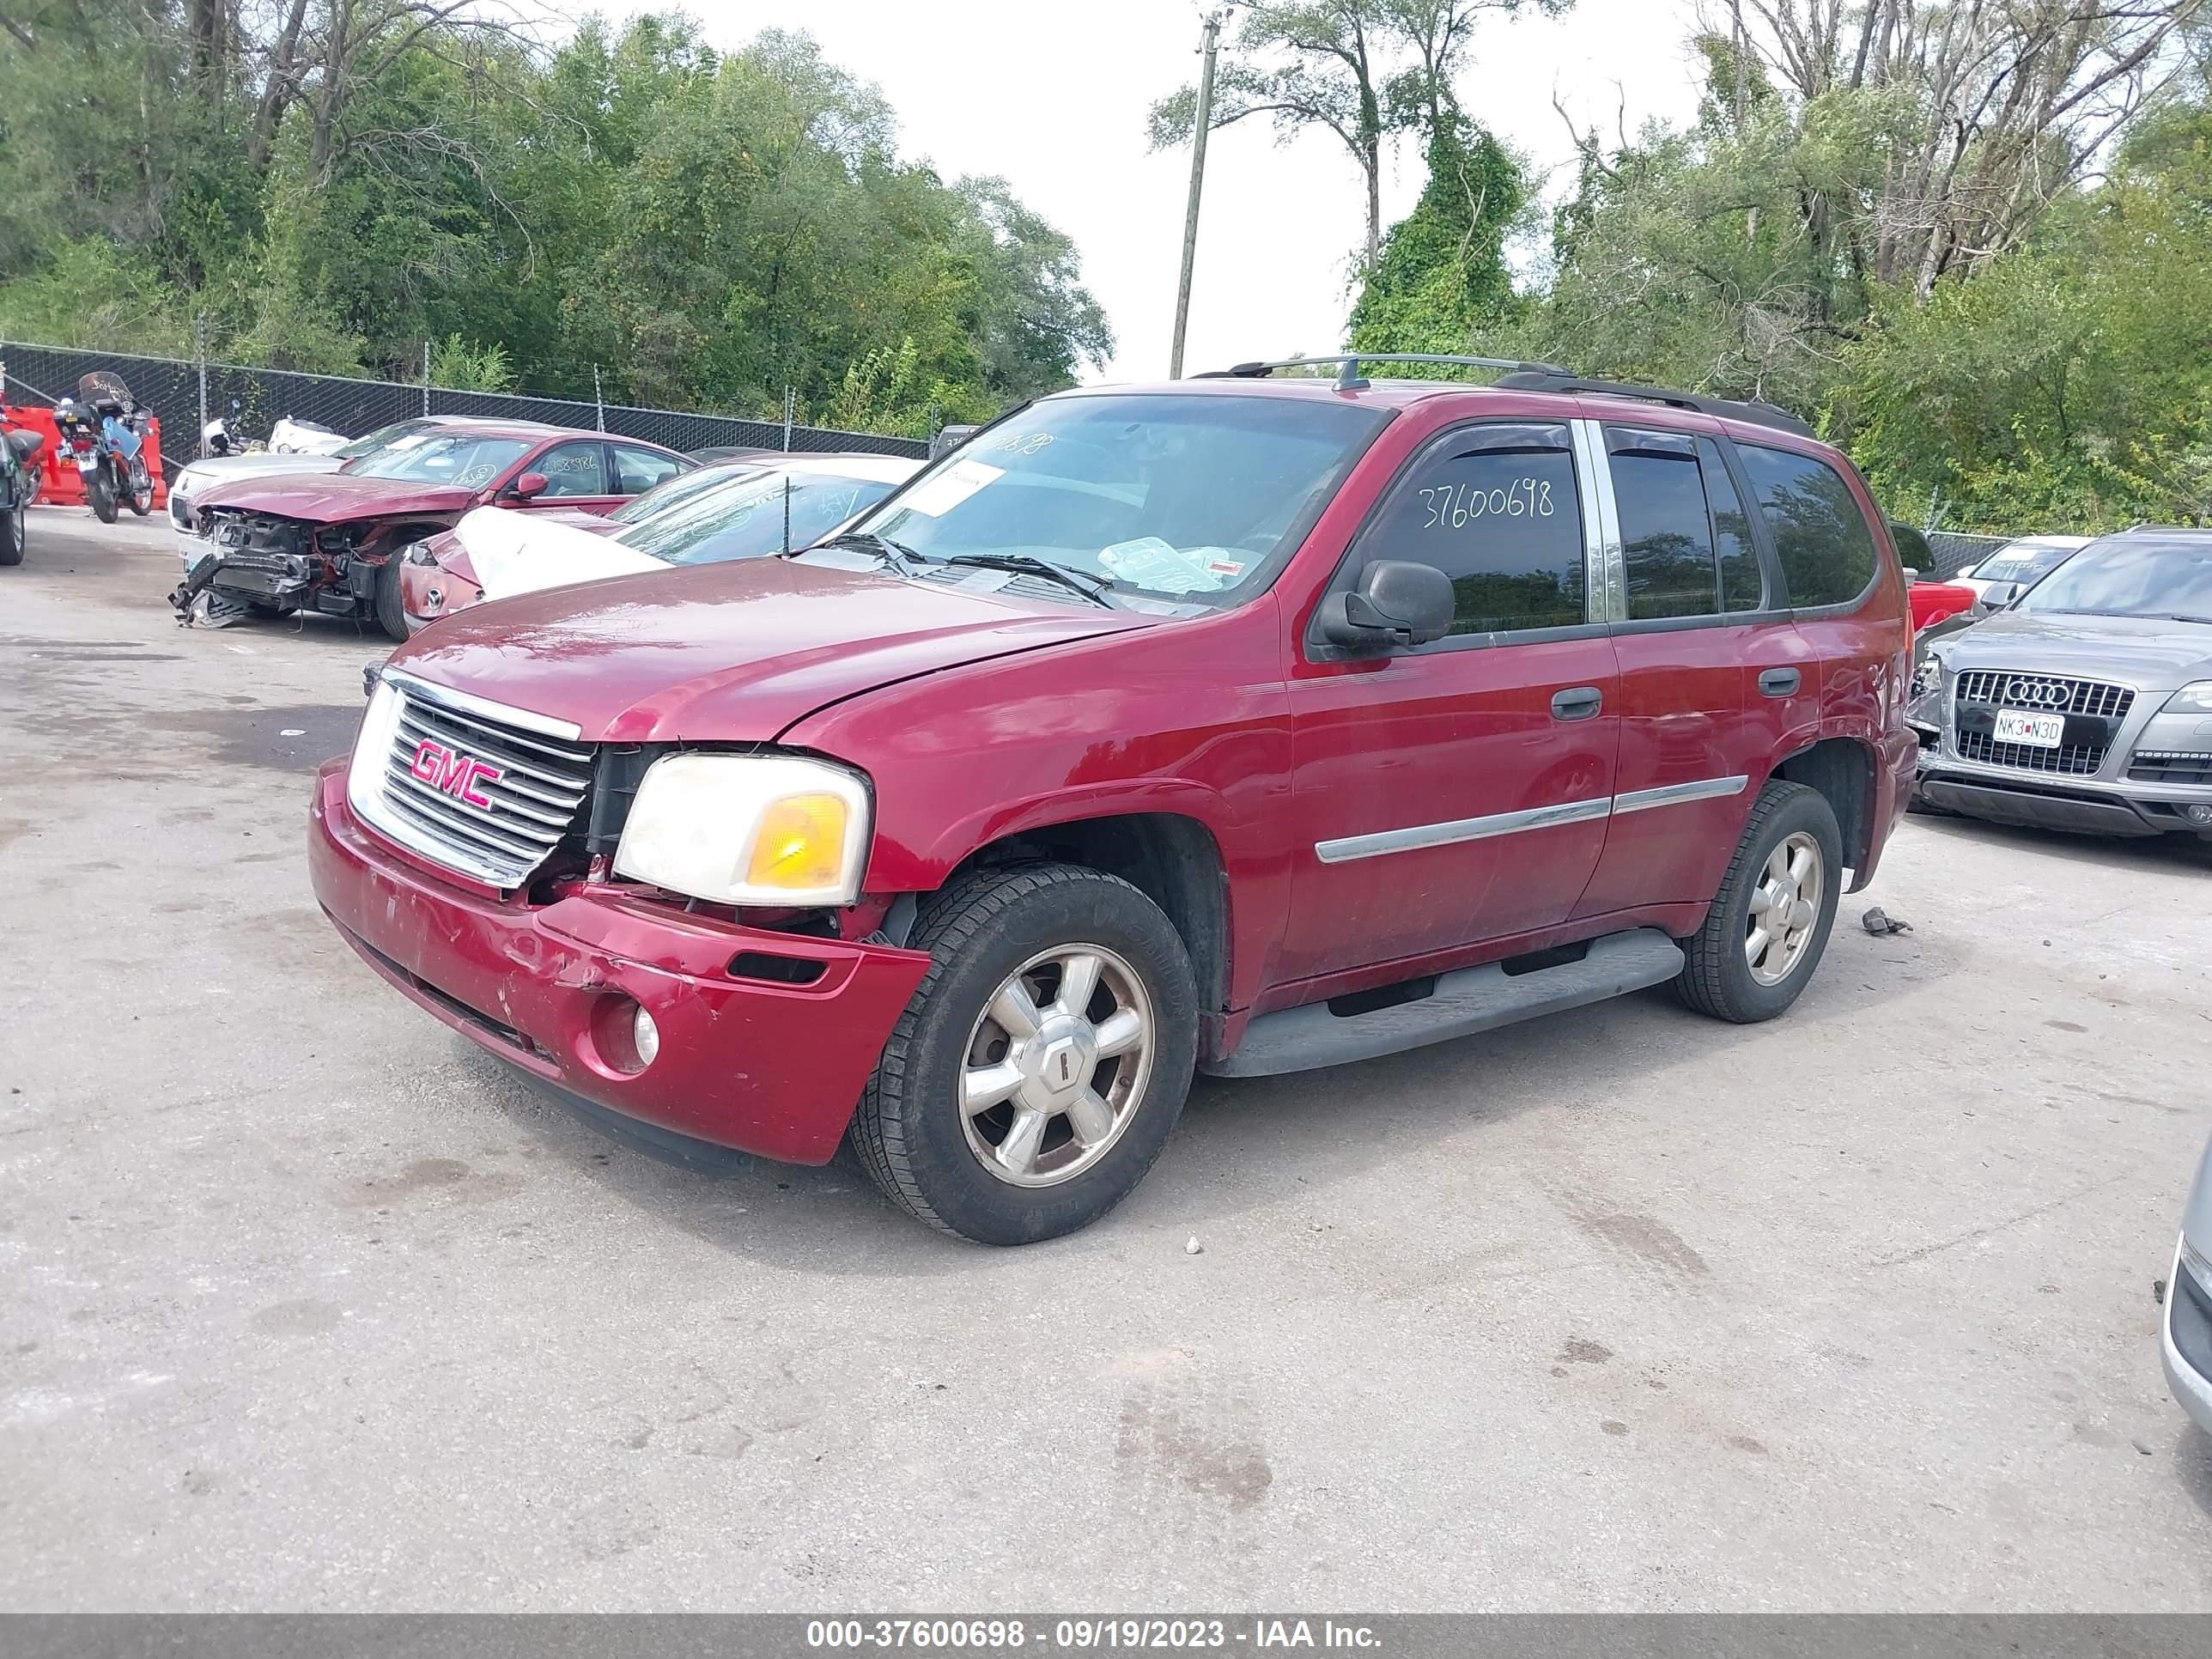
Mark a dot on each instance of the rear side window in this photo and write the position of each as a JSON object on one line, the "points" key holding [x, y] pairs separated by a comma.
{"points": [[1684, 542], [1495, 509], [1820, 537], [1666, 537], [1743, 586]]}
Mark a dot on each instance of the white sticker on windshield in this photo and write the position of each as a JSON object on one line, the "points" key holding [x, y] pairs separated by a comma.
{"points": [[1148, 561], [941, 494]]}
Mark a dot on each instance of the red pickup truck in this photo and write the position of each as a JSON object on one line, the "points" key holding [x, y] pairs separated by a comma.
{"points": [[1245, 724]]}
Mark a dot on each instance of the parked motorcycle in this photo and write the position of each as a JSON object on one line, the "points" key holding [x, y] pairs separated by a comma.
{"points": [[19, 487], [103, 432]]}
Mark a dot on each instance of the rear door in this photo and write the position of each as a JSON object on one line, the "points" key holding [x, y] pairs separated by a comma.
{"points": [[1694, 629], [1457, 791]]}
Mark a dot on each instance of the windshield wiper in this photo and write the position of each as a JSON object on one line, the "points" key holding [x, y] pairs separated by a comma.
{"points": [[901, 557], [1080, 581]]}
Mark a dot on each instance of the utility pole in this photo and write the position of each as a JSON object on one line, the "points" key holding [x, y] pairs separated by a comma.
{"points": [[1207, 45]]}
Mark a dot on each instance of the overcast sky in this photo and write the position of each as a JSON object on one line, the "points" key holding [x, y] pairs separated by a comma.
{"points": [[1052, 94]]}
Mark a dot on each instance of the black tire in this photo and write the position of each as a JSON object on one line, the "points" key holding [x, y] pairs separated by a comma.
{"points": [[391, 607], [910, 1130], [100, 495], [1716, 978], [141, 496], [12, 534]]}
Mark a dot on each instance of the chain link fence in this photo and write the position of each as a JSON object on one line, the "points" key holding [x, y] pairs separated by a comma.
{"points": [[1955, 551], [185, 395]]}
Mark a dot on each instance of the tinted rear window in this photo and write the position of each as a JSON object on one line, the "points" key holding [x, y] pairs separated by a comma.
{"points": [[1820, 537]]}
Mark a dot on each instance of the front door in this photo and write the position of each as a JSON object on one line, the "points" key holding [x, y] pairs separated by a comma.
{"points": [[1459, 791], [578, 477]]}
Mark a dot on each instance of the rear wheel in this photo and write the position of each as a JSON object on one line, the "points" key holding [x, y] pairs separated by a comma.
{"points": [[99, 495], [1043, 1061], [1769, 923]]}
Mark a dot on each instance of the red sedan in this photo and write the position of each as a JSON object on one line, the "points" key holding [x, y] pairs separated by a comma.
{"points": [[331, 542]]}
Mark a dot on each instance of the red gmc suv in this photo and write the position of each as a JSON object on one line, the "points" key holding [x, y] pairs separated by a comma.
{"points": [[1246, 723]]}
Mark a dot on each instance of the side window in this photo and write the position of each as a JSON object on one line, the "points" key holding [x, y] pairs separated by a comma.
{"points": [[1666, 535], [1820, 537], [574, 470], [1743, 585], [638, 469], [1494, 508]]}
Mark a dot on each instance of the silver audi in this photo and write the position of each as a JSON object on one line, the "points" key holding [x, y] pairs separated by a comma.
{"points": [[2088, 705], [2185, 1339]]}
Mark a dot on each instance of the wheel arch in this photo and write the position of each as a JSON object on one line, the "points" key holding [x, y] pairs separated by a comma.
{"points": [[1841, 770], [1173, 858]]}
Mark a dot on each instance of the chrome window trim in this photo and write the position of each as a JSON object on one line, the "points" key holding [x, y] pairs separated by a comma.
{"points": [[1347, 849], [467, 703], [1673, 794], [1605, 571]]}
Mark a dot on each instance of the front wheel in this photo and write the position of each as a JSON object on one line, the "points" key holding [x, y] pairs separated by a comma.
{"points": [[1769, 923], [11, 533], [1042, 1061], [391, 603], [99, 495], [142, 488]]}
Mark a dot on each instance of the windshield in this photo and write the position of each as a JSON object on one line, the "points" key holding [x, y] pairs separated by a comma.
{"points": [[456, 458], [2025, 563], [2132, 576], [1190, 496], [680, 487], [749, 516], [369, 443]]}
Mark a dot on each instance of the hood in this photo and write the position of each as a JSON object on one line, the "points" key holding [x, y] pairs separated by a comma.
{"points": [[513, 553], [2151, 655], [337, 497], [728, 652], [212, 471]]}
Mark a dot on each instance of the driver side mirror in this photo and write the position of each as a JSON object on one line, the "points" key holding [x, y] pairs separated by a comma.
{"points": [[1397, 605], [529, 484], [2001, 596]]}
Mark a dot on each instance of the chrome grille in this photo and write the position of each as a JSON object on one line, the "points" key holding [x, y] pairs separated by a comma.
{"points": [[2168, 766], [1983, 688], [532, 784], [1995, 688]]}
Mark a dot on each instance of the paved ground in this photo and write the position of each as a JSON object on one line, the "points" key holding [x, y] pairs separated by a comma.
{"points": [[304, 1303]]}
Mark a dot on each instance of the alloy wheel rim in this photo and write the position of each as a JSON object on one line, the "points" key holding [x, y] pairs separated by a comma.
{"points": [[1056, 1065], [1785, 908]]}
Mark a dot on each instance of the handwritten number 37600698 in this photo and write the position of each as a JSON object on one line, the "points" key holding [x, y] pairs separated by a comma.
{"points": [[1454, 506]]}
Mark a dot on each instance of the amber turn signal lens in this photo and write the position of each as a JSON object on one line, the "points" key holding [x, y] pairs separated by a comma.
{"points": [[801, 844]]}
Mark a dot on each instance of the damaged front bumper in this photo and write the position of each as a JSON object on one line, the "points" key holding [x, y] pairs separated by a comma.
{"points": [[765, 1041]]}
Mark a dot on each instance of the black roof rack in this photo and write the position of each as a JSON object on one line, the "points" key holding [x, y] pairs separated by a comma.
{"points": [[1348, 379], [1524, 377], [1542, 379]]}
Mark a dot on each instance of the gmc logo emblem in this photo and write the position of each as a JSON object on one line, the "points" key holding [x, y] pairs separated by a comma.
{"points": [[450, 772]]}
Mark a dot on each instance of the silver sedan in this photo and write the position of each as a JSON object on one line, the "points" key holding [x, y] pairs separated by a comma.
{"points": [[2186, 1336]]}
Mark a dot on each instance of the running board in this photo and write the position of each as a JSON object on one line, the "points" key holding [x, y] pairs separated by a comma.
{"points": [[1471, 1001]]}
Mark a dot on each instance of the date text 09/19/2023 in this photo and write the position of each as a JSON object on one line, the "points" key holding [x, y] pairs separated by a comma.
{"points": [[1122, 1634]]}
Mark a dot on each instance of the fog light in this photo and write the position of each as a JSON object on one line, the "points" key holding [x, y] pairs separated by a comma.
{"points": [[2200, 815], [647, 1037]]}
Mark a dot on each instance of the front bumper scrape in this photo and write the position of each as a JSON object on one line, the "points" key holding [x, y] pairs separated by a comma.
{"points": [[769, 1066]]}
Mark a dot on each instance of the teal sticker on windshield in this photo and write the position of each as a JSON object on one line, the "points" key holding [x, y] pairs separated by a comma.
{"points": [[1148, 561]]}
